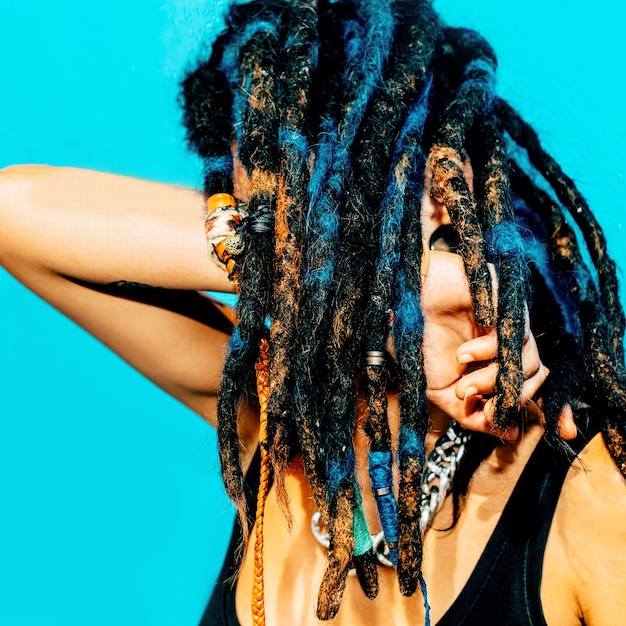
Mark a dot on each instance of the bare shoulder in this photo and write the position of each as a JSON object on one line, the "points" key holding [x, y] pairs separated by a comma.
{"points": [[594, 485], [590, 532]]}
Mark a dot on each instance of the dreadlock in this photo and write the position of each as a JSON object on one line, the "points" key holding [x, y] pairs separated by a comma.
{"points": [[344, 114]]}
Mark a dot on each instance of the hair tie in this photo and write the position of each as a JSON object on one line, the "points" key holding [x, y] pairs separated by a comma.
{"points": [[261, 222]]}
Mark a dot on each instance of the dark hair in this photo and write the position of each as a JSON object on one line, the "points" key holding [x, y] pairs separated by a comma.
{"points": [[338, 111]]}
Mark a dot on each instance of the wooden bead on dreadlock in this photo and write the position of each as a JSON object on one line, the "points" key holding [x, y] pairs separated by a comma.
{"points": [[220, 201]]}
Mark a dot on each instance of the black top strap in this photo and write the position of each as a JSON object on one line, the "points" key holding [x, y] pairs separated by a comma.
{"points": [[505, 586], [221, 609]]}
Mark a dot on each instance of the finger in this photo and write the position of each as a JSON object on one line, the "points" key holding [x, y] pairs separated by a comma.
{"points": [[483, 348], [476, 417], [508, 433], [530, 354], [483, 380], [445, 269], [567, 427], [529, 389], [531, 386]]}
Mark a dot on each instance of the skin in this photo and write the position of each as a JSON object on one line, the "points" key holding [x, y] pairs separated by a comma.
{"points": [[61, 226]]}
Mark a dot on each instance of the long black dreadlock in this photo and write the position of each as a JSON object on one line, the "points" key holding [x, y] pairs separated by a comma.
{"points": [[339, 112]]}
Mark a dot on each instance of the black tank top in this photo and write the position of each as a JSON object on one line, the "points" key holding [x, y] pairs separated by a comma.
{"points": [[504, 588], [221, 608]]}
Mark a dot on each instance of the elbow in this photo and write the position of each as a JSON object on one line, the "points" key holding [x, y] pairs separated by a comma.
{"points": [[12, 175], [17, 186], [16, 182]]}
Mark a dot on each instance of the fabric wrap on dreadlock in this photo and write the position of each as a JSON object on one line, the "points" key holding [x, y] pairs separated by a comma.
{"points": [[227, 224], [364, 560], [381, 478]]}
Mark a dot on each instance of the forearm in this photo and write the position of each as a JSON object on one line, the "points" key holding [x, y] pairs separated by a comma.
{"points": [[84, 241], [103, 229]]}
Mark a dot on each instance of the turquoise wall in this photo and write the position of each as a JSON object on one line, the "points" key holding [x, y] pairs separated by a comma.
{"points": [[112, 512]]}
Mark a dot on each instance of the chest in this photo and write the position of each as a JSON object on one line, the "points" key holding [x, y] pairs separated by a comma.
{"points": [[295, 561]]}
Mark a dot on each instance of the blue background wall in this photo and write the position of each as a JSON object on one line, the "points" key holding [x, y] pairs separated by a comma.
{"points": [[111, 508]]}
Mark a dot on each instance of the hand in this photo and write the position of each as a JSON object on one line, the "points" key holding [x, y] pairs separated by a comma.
{"points": [[459, 355]]}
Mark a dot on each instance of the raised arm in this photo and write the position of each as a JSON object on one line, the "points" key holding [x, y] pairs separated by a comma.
{"points": [[126, 259], [104, 228]]}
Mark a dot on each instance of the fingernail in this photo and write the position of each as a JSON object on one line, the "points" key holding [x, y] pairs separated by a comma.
{"points": [[469, 392], [466, 358], [511, 433]]}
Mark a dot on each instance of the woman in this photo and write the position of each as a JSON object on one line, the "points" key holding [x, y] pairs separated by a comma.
{"points": [[42, 269]]}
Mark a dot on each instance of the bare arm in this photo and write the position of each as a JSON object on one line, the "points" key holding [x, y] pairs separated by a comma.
{"points": [[72, 235], [103, 228]]}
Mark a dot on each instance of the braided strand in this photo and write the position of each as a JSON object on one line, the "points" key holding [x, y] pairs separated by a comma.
{"points": [[262, 375]]}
